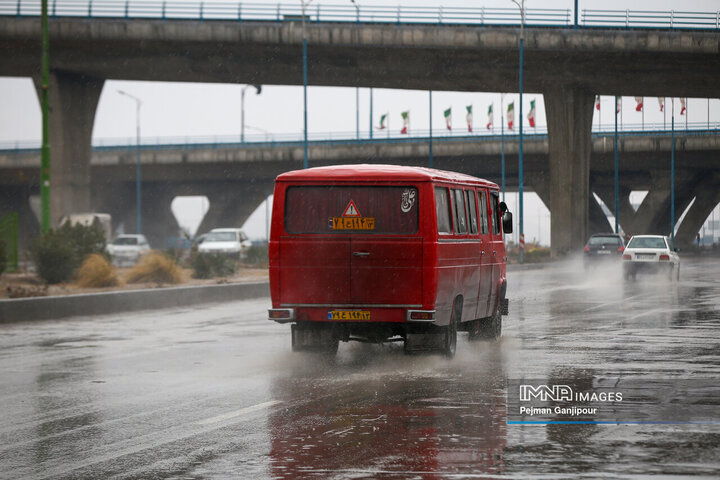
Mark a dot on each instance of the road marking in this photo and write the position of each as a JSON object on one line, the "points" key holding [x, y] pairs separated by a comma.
{"points": [[238, 413]]}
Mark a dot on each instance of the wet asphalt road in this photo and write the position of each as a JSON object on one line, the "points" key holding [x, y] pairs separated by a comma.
{"points": [[214, 392]]}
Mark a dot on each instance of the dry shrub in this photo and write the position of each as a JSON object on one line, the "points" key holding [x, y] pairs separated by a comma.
{"points": [[96, 271], [155, 267]]}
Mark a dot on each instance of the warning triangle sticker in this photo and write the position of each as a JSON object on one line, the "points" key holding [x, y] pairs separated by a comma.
{"points": [[351, 210]]}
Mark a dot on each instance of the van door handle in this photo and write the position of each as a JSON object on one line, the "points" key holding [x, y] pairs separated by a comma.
{"points": [[361, 254]]}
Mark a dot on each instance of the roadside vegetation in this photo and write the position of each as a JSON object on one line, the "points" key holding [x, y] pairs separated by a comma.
{"points": [[212, 265], [60, 252], [96, 272], [155, 267]]}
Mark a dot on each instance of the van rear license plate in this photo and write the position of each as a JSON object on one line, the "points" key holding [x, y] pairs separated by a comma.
{"points": [[348, 315]]}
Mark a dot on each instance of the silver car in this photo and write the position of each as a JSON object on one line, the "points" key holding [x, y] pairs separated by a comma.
{"points": [[127, 249]]}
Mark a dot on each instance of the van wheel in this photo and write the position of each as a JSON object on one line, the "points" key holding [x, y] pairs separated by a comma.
{"points": [[489, 328], [450, 338], [315, 339]]}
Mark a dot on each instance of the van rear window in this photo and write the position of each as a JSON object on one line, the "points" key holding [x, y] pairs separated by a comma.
{"points": [[342, 209]]}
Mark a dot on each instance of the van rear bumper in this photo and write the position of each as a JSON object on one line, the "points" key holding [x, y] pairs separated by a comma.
{"points": [[353, 314]]}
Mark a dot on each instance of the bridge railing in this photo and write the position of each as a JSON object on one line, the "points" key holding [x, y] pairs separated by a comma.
{"points": [[380, 136], [240, 11]]}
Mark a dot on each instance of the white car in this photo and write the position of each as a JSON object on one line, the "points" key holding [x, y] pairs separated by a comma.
{"points": [[650, 253], [127, 249], [229, 241]]}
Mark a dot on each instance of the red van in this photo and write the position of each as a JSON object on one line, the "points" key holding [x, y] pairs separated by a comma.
{"points": [[379, 253]]}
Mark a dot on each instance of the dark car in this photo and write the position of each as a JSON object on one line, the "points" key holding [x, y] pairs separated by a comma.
{"points": [[602, 247]]}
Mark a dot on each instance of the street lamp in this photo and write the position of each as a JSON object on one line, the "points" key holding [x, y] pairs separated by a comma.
{"points": [[357, 89], [258, 89], [521, 254], [303, 5], [138, 104]]}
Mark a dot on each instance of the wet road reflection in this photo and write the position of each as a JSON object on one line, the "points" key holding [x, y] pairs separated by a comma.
{"points": [[214, 392]]}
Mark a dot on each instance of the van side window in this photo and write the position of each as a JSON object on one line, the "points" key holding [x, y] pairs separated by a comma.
{"points": [[483, 213], [460, 217], [472, 211], [442, 210], [493, 213]]}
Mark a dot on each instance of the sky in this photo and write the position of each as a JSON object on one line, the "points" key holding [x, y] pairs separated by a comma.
{"points": [[213, 110]]}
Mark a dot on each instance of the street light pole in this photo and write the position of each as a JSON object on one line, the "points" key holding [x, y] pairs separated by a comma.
{"points": [[258, 89], [430, 145], [616, 165], [371, 114], [502, 142], [45, 152], [138, 198], [304, 4], [357, 89], [521, 254], [672, 174]]}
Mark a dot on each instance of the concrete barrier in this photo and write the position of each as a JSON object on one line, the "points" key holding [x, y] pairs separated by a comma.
{"points": [[62, 306]]}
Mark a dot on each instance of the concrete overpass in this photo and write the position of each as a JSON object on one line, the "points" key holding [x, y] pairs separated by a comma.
{"points": [[567, 66], [236, 178]]}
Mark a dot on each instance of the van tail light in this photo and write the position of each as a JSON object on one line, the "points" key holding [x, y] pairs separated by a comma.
{"points": [[421, 315], [665, 257], [627, 257], [281, 315], [587, 249], [621, 249]]}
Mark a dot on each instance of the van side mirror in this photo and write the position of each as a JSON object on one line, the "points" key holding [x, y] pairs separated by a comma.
{"points": [[502, 208], [507, 222]]}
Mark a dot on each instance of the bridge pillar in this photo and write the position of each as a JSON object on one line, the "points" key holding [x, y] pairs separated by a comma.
{"points": [[231, 203], [706, 198], [569, 118], [73, 101], [626, 212]]}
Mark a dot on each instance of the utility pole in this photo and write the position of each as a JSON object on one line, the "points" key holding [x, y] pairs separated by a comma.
{"points": [[45, 160], [521, 254], [431, 133], [304, 4]]}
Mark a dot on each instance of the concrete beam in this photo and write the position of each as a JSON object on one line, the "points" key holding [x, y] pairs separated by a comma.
{"points": [[73, 101], [231, 203], [569, 116], [706, 199]]}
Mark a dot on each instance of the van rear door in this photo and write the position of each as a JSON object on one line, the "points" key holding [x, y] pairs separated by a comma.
{"points": [[351, 244]]}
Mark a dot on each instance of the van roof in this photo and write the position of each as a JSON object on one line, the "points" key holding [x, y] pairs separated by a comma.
{"points": [[375, 172]]}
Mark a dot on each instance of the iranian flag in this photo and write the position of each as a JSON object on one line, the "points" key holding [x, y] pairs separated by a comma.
{"points": [[661, 101], [383, 125], [683, 106], [448, 118], [619, 104], [490, 117], [469, 117], [639, 106], [531, 115], [511, 115], [597, 102], [406, 121]]}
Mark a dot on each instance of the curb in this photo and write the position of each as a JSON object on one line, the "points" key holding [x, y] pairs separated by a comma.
{"points": [[62, 306]]}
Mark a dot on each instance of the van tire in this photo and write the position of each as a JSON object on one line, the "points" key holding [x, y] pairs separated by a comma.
{"points": [[449, 346], [315, 339], [489, 328]]}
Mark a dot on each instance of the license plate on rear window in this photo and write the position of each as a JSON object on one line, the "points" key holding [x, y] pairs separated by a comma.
{"points": [[348, 315]]}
